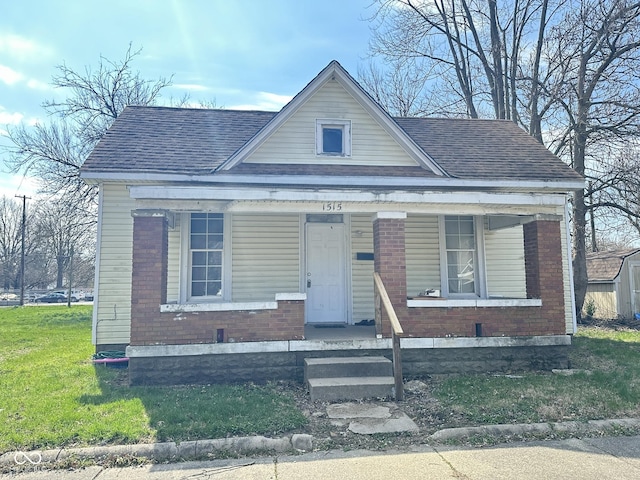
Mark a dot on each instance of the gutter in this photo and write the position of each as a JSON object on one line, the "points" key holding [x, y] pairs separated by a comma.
{"points": [[339, 181]]}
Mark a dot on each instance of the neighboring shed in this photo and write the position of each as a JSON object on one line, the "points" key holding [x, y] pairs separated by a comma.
{"points": [[614, 283]]}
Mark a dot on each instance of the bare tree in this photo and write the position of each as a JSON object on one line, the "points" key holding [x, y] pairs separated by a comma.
{"points": [[402, 88], [65, 230], [11, 243], [54, 152], [566, 70], [475, 49], [10, 222], [597, 45], [613, 194]]}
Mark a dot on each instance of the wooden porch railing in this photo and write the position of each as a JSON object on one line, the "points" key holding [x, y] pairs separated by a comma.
{"points": [[382, 299]]}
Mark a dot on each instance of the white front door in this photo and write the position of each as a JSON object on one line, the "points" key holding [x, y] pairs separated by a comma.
{"points": [[326, 275]]}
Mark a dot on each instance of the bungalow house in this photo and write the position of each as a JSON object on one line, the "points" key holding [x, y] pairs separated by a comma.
{"points": [[233, 245], [614, 283]]}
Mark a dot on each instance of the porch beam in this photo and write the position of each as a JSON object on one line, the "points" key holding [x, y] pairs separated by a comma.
{"points": [[142, 192], [352, 207]]}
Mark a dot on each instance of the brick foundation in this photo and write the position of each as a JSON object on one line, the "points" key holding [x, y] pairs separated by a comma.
{"points": [[261, 367]]}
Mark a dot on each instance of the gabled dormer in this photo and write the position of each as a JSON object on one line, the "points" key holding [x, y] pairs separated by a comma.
{"points": [[333, 121]]}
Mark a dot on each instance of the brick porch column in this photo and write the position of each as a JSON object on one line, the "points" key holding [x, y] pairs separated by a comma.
{"points": [[149, 270], [390, 261], [544, 273]]}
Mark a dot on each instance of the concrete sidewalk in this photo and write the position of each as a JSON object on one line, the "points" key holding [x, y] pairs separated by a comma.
{"points": [[598, 458]]}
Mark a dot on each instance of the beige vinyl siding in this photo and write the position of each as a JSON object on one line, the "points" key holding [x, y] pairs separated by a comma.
{"points": [[422, 253], [362, 270], [504, 262], [173, 262], [114, 282], [603, 296], [295, 140], [265, 256]]}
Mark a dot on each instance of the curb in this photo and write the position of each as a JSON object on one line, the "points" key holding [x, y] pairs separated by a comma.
{"points": [[167, 450], [297, 442], [540, 428]]}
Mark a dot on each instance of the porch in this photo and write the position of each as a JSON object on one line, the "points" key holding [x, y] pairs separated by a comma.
{"points": [[538, 310], [269, 340]]}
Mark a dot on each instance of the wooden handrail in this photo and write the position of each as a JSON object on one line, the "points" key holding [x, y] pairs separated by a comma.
{"points": [[393, 318], [396, 329]]}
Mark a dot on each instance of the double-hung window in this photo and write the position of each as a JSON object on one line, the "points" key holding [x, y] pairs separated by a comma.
{"points": [[333, 137], [460, 248], [206, 248]]}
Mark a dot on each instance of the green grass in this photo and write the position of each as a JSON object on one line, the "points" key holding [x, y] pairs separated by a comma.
{"points": [[51, 394], [609, 387]]}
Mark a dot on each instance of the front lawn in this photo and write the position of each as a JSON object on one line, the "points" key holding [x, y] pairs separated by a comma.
{"points": [[606, 385], [51, 394]]}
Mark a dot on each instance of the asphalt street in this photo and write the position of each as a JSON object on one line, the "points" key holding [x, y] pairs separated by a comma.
{"points": [[596, 458]]}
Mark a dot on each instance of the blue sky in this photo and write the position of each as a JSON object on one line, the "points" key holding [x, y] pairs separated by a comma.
{"points": [[240, 53]]}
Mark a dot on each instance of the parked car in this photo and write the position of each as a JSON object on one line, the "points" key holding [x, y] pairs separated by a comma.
{"points": [[55, 298]]}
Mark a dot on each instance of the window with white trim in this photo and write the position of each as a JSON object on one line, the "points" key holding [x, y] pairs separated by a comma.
{"points": [[206, 254], [461, 255], [333, 137]]}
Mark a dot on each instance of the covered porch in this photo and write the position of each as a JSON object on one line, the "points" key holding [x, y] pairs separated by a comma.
{"points": [[276, 316]]}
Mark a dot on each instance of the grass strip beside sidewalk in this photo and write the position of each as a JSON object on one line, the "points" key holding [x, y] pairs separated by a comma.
{"points": [[51, 395]]}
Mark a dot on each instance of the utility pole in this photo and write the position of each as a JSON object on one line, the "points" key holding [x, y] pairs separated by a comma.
{"points": [[70, 277], [24, 225]]}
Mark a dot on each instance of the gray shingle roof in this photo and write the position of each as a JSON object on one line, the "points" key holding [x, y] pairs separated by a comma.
{"points": [[197, 141], [605, 266], [173, 140], [485, 149]]}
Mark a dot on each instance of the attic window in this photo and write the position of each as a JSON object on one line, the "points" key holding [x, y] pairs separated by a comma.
{"points": [[333, 137]]}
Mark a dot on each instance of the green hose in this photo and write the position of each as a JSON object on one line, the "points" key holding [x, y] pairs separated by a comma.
{"points": [[109, 354]]}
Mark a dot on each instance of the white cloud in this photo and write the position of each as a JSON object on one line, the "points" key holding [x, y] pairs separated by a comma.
{"points": [[7, 118], [23, 48], [11, 185], [191, 87], [38, 85], [265, 101], [9, 75]]}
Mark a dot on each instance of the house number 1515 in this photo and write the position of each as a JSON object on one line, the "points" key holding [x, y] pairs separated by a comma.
{"points": [[331, 207]]}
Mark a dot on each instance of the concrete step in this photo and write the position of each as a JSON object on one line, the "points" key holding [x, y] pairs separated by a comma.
{"points": [[350, 388], [347, 367]]}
